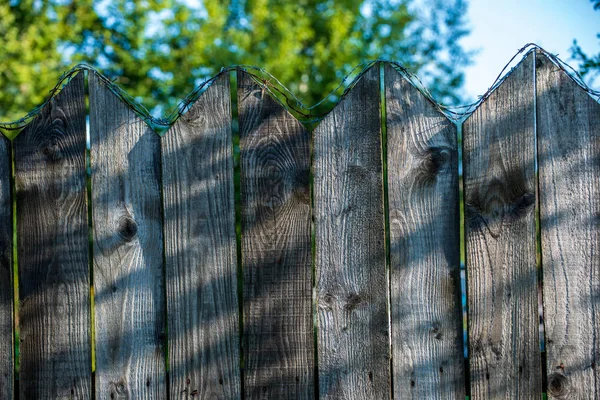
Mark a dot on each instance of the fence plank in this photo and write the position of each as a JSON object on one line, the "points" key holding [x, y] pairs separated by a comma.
{"points": [[52, 245], [127, 248], [569, 167], [6, 273], [500, 233], [424, 235], [276, 248], [201, 250], [353, 331]]}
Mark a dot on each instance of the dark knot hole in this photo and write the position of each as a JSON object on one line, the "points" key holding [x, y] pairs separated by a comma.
{"points": [[127, 229]]}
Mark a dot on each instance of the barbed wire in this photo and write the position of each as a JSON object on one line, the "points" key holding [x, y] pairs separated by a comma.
{"points": [[288, 99], [261, 76]]}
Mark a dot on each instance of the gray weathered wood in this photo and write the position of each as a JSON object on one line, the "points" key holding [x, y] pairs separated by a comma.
{"points": [[276, 248], [500, 228], [422, 152], [52, 243], [352, 289], [201, 269], [6, 273], [568, 122], [127, 250]]}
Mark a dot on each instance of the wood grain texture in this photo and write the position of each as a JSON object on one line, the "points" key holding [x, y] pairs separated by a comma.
{"points": [[568, 122], [201, 250], [352, 289], [127, 250], [276, 248], [500, 228], [422, 156], [6, 273], [52, 245]]}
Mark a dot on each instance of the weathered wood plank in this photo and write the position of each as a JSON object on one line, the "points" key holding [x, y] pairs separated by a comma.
{"points": [[568, 122], [276, 248], [422, 156], [500, 228], [127, 250], [6, 273], [352, 289], [52, 245], [201, 250]]}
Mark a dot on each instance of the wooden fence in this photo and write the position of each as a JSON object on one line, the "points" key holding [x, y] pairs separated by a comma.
{"points": [[325, 304]]}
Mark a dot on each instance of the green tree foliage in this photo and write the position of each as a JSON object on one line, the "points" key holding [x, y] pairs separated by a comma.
{"points": [[29, 59], [588, 65], [159, 50]]}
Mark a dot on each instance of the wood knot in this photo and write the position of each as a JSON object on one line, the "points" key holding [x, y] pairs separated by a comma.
{"points": [[496, 350], [558, 386], [435, 331], [127, 228], [120, 388], [196, 116], [432, 162], [522, 205], [477, 346], [327, 301], [352, 301], [495, 206], [52, 150]]}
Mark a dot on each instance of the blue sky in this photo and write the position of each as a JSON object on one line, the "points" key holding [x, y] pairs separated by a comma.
{"points": [[500, 28]]}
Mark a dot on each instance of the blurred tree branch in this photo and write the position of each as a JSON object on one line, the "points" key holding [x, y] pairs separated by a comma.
{"points": [[588, 65]]}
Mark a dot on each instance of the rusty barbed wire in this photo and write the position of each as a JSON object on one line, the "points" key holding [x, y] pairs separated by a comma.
{"points": [[289, 100]]}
